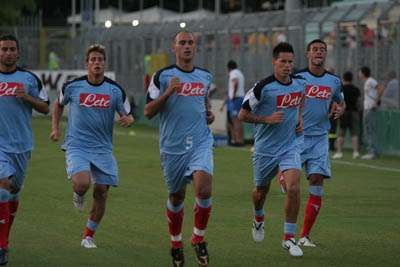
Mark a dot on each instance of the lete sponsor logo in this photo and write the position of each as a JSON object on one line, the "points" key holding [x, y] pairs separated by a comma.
{"points": [[9, 88], [191, 89], [320, 92], [94, 100], [288, 100]]}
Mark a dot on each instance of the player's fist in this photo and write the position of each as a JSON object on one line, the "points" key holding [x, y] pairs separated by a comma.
{"points": [[274, 118], [173, 85], [55, 135], [126, 121], [210, 117], [20, 92]]}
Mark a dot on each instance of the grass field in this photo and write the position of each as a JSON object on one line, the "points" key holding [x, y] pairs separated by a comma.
{"points": [[358, 226]]}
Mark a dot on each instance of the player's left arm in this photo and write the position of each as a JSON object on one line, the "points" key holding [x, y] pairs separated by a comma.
{"points": [[124, 111], [40, 104], [339, 106], [299, 126], [209, 114]]}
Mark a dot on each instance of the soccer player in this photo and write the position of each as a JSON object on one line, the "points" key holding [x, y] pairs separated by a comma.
{"points": [[322, 89], [179, 94], [20, 92], [93, 100], [274, 106]]}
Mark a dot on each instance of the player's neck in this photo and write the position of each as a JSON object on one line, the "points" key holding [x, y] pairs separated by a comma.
{"points": [[7, 69], [317, 70], [285, 79], [185, 66], [95, 79]]}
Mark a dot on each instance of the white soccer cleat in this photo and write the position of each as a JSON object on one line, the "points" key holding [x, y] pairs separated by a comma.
{"points": [[356, 155], [88, 242], [292, 247], [306, 242], [338, 155], [78, 201], [258, 231]]}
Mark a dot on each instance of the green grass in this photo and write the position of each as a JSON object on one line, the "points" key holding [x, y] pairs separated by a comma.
{"points": [[358, 225]]}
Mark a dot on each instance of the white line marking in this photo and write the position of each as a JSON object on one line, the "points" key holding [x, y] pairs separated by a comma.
{"points": [[364, 165]]}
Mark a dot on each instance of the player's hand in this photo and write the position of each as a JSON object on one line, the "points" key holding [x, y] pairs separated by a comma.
{"points": [[336, 111], [20, 93], [210, 117], [274, 118], [126, 121], [55, 135], [299, 126], [172, 86]]}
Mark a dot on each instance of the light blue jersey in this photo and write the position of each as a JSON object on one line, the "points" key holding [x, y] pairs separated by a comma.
{"points": [[91, 114], [268, 96], [183, 124], [320, 92], [15, 115]]}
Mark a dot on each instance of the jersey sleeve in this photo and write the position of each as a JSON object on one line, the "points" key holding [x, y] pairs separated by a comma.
{"points": [[252, 97], [64, 95], [153, 92], [338, 94], [37, 90], [123, 106]]}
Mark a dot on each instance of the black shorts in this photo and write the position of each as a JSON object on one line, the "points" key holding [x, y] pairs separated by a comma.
{"points": [[350, 120]]}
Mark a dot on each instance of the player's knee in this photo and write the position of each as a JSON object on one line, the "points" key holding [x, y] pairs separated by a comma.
{"points": [[293, 189], [81, 188], [100, 194], [316, 179]]}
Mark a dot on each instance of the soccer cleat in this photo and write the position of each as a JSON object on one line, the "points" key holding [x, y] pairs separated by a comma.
{"points": [[306, 242], [292, 247], [201, 253], [78, 201], [88, 242], [178, 258], [356, 155], [338, 155], [258, 231], [3, 256]]}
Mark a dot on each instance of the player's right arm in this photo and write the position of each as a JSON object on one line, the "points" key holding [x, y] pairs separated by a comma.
{"points": [[55, 121], [155, 101], [58, 109], [251, 100]]}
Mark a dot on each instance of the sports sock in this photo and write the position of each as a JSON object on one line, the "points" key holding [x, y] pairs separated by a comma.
{"points": [[259, 215], [289, 230], [312, 209], [202, 211], [4, 217], [91, 227], [175, 220]]}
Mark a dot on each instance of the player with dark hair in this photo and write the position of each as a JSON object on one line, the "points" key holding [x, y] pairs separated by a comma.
{"points": [[20, 92], [274, 106], [322, 89]]}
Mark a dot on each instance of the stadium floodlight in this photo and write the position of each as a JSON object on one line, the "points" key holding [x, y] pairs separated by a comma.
{"points": [[135, 22], [182, 25], [108, 23]]}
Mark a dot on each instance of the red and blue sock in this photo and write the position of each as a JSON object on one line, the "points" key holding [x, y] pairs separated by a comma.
{"points": [[202, 212]]}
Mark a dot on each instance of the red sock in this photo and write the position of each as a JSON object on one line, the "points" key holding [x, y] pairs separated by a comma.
{"points": [[13, 207], [259, 218], [310, 214], [175, 220], [201, 216], [91, 227], [4, 221], [288, 236]]}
